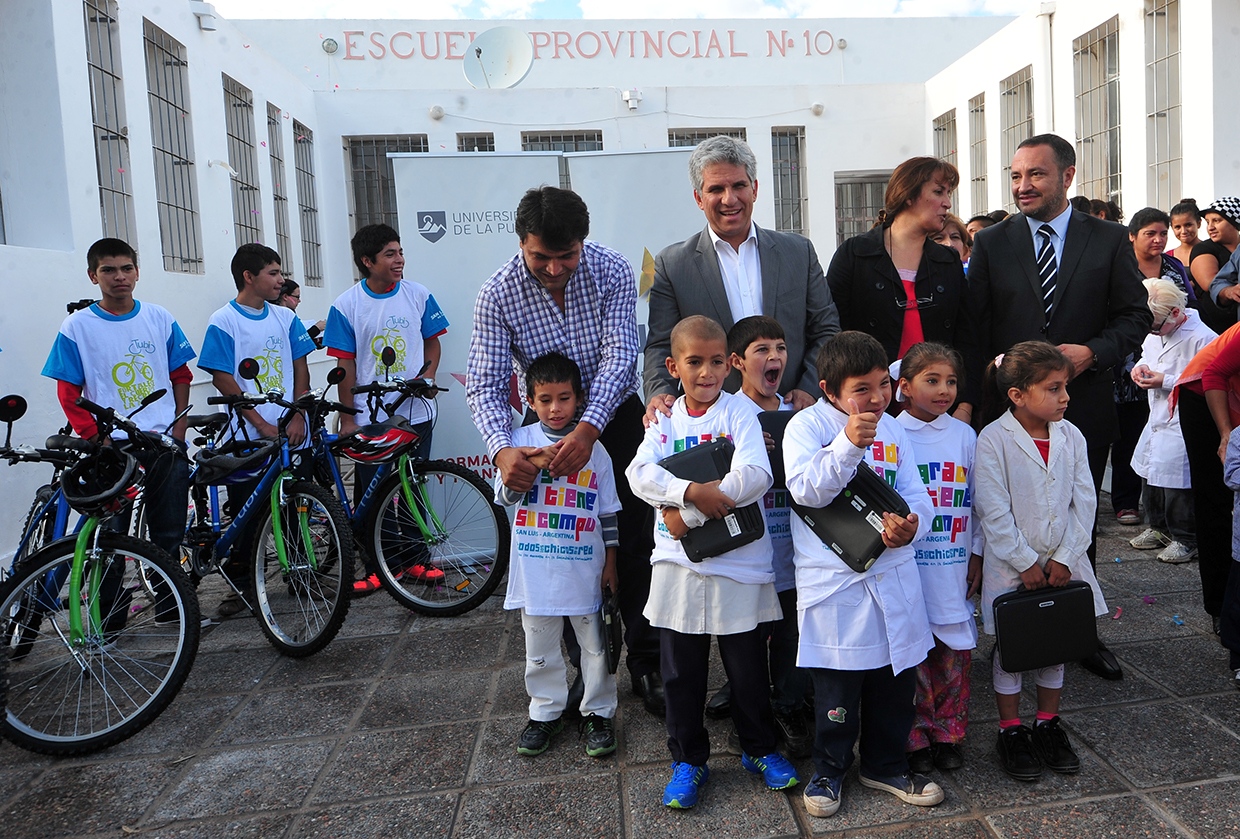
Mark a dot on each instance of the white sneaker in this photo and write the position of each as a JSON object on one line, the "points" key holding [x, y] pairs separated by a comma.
{"points": [[1149, 540], [1177, 552]]}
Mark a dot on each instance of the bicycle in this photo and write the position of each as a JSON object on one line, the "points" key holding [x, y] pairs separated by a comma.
{"points": [[94, 655], [429, 514], [301, 569]]}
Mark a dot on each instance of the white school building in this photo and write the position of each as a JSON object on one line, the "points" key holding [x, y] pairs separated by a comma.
{"points": [[186, 134]]}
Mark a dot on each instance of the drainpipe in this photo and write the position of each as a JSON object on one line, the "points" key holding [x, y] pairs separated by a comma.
{"points": [[1046, 15]]}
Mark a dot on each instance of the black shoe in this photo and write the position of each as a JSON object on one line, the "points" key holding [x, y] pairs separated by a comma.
{"points": [[947, 756], [795, 733], [1016, 755], [650, 689], [720, 705], [1050, 743], [576, 692], [600, 735], [537, 736], [1103, 663], [921, 761], [1217, 623]]}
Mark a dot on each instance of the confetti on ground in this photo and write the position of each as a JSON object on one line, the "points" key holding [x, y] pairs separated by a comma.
{"points": [[1177, 620], [1117, 559], [1149, 600], [1119, 610]]}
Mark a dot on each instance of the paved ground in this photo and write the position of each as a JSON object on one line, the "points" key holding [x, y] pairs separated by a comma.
{"points": [[405, 726]]}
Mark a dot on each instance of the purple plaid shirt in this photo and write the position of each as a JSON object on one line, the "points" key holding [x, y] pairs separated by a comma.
{"points": [[515, 321]]}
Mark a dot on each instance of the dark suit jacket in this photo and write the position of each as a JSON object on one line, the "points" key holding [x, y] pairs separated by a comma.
{"points": [[687, 281], [1099, 302]]}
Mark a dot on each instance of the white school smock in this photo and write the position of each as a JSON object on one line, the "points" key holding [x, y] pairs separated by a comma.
{"points": [[557, 553], [945, 449], [1160, 456], [1032, 511], [777, 508], [852, 621]]}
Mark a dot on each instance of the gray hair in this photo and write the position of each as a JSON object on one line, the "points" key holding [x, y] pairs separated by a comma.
{"points": [[721, 149], [1164, 295]]}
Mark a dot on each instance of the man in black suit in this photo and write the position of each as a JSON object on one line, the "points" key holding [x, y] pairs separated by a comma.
{"points": [[1083, 294]]}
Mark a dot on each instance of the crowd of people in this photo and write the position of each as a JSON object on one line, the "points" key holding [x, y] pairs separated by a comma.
{"points": [[967, 364]]}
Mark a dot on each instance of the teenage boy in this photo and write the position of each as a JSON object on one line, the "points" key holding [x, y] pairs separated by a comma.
{"points": [[115, 353], [249, 326], [732, 595], [862, 634], [382, 311], [757, 348], [564, 538]]}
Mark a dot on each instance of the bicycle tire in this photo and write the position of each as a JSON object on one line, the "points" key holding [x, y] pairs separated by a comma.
{"points": [[21, 625], [66, 699], [141, 530], [472, 551], [301, 610]]}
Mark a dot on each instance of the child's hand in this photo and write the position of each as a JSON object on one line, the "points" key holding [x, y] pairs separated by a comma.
{"points": [[769, 440], [974, 575], [1057, 574], [541, 458], [709, 499], [1146, 378], [1033, 578], [899, 531], [674, 522], [862, 427], [611, 580]]}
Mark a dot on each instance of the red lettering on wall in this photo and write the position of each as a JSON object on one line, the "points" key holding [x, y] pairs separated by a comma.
{"points": [[422, 42], [376, 38], [697, 43], [598, 44], [632, 43], [776, 43], [349, 46], [610, 45], [685, 35], [540, 40], [392, 45], [649, 42], [818, 44], [732, 44], [563, 40], [713, 44], [450, 39]]}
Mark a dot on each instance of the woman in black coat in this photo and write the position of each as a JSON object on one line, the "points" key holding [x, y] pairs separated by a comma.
{"points": [[871, 274]]}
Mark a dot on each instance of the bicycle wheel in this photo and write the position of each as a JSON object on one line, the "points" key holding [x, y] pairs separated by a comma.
{"points": [[21, 625], [302, 607], [141, 529], [69, 698], [463, 558]]}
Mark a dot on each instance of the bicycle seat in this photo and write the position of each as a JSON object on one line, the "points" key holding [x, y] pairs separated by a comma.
{"points": [[63, 442], [234, 465], [210, 423]]}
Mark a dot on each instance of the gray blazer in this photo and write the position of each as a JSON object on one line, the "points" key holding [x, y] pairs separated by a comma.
{"points": [[687, 281]]}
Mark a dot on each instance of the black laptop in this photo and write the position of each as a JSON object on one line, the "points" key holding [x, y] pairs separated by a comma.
{"points": [[774, 423], [703, 464], [852, 524]]}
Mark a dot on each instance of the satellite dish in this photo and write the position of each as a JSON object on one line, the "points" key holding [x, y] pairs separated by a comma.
{"points": [[499, 58]]}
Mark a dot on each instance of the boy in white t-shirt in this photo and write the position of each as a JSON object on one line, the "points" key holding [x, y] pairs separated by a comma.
{"points": [[564, 538], [732, 595]]}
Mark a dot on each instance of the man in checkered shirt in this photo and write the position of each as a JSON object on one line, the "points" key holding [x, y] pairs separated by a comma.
{"points": [[561, 292]]}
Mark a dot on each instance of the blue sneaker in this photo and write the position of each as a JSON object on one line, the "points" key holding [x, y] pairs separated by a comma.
{"points": [[774, 768], [822, 796], [681, 791]]}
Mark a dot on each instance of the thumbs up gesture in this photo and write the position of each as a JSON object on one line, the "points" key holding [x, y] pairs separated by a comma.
{"points": [[862, 426]]}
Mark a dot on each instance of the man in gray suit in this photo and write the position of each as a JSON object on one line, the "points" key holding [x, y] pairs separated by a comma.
{"points": [[734, 269]]}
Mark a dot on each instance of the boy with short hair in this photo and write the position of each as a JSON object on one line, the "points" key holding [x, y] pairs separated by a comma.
{"points": [[732, 595], [862, 634], [564, 539], [757, 348]]}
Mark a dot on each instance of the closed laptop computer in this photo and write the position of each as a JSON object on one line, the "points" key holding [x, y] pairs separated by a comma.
{"points": [[703, 464], [852, 524]]}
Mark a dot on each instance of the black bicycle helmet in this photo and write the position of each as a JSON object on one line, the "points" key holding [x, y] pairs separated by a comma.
{"points": [[102, 483]]}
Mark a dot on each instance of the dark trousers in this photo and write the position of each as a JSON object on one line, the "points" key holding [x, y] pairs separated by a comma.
{"points": [[1211, 498], [1170, 511], [1125, 483], [685, 666], [1231, 619], [1097, 455], [886, 700], [790, 684]]}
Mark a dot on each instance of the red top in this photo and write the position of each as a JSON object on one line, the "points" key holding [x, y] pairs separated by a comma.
{"points": [[912, 333], [1044, 448]]}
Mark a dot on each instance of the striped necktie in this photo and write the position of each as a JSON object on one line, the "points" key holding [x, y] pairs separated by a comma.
{"points": [[1046, 267]]}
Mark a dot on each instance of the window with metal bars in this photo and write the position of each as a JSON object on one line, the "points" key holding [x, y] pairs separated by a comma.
{"points": [[1096, 74], [111, 129], [475, 142], [563, 141], [1164, 129], [172, 146], [858, 198], [243, 157], [1015, 122], [279, 193], [689, 137], [788, 171], [308, 205], [977, 155], [372, 185], [945, 143]]}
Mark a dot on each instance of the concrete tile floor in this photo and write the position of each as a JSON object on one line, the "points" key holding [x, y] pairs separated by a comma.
{"points": [[405, 726]]}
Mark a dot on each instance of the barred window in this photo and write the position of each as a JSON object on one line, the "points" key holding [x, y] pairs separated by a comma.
{"points": [[689, 137], [172, 145], [243, 157], [858, 198], [563, 141], [308, 205], [977, 154], [111, 129], [279, 193], [1015, 122], [945, 143], [1164, 129], [788, 170], [1096, 74], [372, 185], [475, 142]]}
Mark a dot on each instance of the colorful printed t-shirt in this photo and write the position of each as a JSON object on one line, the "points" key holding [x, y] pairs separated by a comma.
{"points": [[776, 507]]}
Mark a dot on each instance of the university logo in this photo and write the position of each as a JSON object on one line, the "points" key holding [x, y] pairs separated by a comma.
{"points": [[432, 224]]}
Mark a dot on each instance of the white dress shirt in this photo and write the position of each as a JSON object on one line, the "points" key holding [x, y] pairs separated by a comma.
{"points": [[742, 273], [1059, 224]]}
